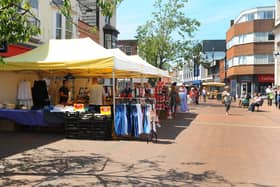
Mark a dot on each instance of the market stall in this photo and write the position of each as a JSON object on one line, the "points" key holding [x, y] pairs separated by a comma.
{"points": [[79, 58], [214, 89]]}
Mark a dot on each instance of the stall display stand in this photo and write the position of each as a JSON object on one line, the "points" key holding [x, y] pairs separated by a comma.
{"points": [[83, 127]]}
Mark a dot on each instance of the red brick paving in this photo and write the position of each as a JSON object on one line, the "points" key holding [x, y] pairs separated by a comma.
{"points": [[201, 148]]}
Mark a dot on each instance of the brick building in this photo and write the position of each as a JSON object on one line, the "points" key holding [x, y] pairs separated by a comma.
{"points": [[129, 47], [250, 46]]}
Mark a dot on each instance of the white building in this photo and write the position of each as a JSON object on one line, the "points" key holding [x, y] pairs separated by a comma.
{"points": [[277, 44], [53, 24]]}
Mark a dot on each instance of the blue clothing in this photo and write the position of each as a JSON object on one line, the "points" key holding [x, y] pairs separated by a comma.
{"points": [[183, 102]]}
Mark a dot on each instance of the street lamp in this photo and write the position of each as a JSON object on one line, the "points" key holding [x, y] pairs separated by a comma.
{"points": [[110, 35]]}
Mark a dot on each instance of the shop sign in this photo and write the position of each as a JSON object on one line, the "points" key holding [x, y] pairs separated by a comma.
{"points": [[105, 110], [266, 78]]}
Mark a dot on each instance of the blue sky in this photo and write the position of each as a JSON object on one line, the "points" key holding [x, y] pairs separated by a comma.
{"points": [[214, 15]]}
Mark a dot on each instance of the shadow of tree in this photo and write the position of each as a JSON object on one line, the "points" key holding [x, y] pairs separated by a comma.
{"points": [[172, 128], [16, 142], [51, 167]]}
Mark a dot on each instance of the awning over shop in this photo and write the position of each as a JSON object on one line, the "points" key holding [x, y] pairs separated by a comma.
{"points": [[213, 84], [80, 57]]}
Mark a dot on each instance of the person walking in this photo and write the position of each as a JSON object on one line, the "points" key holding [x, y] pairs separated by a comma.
{"points": [[173, 96], [226, 99], [204, 93], [182, 91], [269, 94]]}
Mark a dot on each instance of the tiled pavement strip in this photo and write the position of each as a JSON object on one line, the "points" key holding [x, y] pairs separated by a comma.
{"points": [[201, 148]]}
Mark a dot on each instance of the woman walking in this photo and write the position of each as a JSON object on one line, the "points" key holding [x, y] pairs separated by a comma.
{"points": [[226, 99], [173, 95], [183, 98]]}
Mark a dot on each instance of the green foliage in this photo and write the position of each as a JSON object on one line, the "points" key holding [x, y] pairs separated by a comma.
{"points": [[108, 6], [156, 38], [14, 21]]}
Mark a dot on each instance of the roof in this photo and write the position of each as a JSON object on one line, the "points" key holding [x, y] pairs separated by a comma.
{"points": [[213, 45]]}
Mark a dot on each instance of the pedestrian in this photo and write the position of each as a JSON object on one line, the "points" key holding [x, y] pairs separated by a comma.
{"points": [[196, 95], [275, 96], [278, 97], [204, 93], [192, 95], [257, 101], [182, 91], [269, 95], [226, 99], [173, 97]]}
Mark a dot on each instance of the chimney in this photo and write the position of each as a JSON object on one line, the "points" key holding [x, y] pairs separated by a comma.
{"points": [[231, 22]]}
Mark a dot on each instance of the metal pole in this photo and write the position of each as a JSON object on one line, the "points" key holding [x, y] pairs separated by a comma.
{"points": [[114, 95]]}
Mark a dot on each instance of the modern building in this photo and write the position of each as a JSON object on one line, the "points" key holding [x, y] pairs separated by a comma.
{"points": [[129, 47], [105, 26], [276, 32], [250, 46], [213, 51]]}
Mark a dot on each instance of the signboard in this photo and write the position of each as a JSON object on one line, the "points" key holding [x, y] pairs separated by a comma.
{"points": [[105, 110], [266, 78]]}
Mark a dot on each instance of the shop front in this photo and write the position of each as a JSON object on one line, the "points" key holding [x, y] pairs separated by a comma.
{"points": [[263, 81]]}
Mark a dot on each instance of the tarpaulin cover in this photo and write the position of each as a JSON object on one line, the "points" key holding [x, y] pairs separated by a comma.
{"points": [[80, 57]]}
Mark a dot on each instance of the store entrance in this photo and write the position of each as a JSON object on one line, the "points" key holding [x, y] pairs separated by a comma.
{"points": [[246, 88]]}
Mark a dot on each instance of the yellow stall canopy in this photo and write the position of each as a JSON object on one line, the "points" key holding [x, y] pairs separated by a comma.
{"points": [[80, 57]]}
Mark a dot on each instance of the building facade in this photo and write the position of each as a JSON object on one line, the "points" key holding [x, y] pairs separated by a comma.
{"points": [[105, 26], [276, 32], [52, 23], [129, 47], [213, 51], [250, 46]]}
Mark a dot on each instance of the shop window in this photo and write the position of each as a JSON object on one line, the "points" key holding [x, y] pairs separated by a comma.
{"points": [[58, 26]]}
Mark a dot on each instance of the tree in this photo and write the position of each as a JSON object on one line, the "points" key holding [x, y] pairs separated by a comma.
{"points": [[15, 16], [165, 38]]}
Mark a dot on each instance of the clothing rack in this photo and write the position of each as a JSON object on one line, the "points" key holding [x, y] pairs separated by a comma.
{"points": [[151, 116]]}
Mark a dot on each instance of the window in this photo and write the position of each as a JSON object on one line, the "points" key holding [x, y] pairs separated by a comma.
{"points": [[261, 59], [68, 28], [250, 17], [242, 60], [58, 26], [108, 41], [34, 4], [58, 2], [268, 15], [128, 50], [270, 36]]}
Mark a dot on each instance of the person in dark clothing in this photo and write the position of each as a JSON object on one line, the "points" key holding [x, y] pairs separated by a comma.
{"points": [[64, 93]]}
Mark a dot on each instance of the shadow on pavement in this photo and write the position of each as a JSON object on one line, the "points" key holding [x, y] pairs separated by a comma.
{"points": [[172, 128], [17, 142], [51, 167]]}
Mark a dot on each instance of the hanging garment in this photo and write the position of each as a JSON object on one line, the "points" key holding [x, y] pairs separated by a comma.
{"points": [[121, 126], [134, 120], [140, 119], [147, 119], [24, 95], [40, 94]]}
